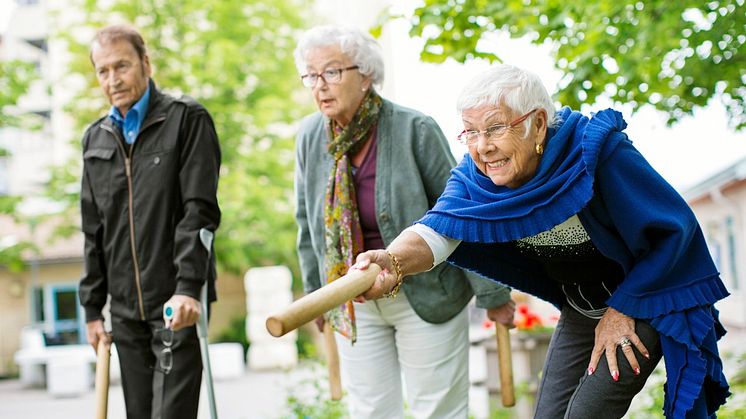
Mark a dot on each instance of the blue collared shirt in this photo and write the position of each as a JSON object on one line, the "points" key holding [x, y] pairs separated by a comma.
{"points": [[131, 123]]}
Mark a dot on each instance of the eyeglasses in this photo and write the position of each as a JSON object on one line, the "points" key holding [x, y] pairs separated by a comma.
{"points": [[330, 76], [469, 137], [167, 357]]}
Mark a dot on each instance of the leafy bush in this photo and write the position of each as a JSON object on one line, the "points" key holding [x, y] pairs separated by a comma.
{"points": [[309, 398], [649, 403]]}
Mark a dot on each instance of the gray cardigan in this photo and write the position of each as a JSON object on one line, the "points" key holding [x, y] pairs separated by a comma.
{"points": [[412, 166]]}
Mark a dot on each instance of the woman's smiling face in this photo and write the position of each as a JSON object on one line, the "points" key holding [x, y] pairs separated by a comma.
{"points": [[511, 159]]}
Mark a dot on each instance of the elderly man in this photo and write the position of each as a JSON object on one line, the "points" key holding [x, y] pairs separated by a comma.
{"points": [[149, 185]]}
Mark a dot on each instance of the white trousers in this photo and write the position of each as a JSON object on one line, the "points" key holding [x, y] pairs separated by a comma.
{"points": [[393, 342]]}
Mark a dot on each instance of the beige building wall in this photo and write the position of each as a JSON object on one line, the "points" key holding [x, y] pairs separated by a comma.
{"points": [[722, 213], [16, 296], [231, 303]]}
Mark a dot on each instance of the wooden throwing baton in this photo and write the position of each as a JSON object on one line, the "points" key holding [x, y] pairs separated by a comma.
{"points": [[505, 360], [312, 305], [102, 378], [332, 361]]}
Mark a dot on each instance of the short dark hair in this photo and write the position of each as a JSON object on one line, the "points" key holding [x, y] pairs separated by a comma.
{"points": [[115, 33]]}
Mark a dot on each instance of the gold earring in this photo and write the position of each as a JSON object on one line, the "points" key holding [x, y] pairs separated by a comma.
{"points": [[540, 149]]}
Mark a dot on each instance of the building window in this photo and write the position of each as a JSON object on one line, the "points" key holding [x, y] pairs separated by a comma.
{"points": [[56, 307], [38, 305], [40, 43], [714, 247], [732, 251]]}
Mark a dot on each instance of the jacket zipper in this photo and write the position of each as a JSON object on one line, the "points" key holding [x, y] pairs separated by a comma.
{"points": [[131, 205]]}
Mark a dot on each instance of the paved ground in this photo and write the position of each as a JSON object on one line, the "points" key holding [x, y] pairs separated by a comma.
{"points": [[253, 395], [261, 395]]}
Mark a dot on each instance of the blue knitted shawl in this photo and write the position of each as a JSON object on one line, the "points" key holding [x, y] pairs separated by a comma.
{"points": [[679, 306], [474, 209]]}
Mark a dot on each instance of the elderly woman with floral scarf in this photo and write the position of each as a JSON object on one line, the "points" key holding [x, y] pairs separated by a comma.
{"points": [[366, 169], [562, 206]]}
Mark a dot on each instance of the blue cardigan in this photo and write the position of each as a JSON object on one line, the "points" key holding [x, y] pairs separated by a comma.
{"points": [[632, 215]]}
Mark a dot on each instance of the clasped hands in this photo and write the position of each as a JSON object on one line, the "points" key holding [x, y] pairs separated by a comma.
{"points": [[386, 279]]}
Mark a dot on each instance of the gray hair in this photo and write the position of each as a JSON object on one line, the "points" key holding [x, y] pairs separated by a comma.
{"points": [[116, 33], [360, 46], [520, 90]]}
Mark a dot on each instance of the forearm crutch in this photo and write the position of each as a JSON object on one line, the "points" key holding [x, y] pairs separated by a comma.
{"points": [[206, 236]]}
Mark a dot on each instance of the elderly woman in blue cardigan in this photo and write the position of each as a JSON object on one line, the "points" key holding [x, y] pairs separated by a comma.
{"points": [[562, 206]]}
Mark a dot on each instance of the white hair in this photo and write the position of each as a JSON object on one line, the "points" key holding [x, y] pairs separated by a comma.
{"points": [[360, 46], [518, 89]]}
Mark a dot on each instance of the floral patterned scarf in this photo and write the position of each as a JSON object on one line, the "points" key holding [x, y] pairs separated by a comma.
{"points": [[344, 235]]}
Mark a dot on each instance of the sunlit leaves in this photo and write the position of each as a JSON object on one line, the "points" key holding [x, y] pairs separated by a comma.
{"points": [[674, 55], [15, 79]]}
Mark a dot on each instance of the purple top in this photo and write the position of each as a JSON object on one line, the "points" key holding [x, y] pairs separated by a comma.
{"points": [[365, 187]]}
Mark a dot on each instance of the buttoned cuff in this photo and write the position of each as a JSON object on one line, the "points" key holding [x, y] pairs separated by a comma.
{"points": [[189, 287], [92, 313]]}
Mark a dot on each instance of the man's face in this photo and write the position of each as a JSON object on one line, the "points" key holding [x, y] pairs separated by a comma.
{"points": [[123, 76]]}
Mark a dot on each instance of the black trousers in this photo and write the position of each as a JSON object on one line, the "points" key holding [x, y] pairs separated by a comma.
{"points": [[148, 391], [567, 391]]}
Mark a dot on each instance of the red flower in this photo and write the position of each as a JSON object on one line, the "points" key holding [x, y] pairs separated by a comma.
{"points": [[527, 319]]}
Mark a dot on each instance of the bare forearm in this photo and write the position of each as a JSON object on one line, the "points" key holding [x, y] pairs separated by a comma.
{"points": [[413, 253], [408, 254]]}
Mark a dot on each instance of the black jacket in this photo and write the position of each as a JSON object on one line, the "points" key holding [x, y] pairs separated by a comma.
{"points": [[143, 205]]}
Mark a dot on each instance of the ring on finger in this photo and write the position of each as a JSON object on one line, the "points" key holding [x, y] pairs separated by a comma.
{"points": [[625, 342]]}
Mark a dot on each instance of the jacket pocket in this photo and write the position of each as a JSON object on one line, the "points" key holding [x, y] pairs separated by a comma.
{"points": [[99, 165]]}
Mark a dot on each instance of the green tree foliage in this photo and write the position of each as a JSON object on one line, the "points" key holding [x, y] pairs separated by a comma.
{"points": [[15, 79], [674, 55], [234, 57]]}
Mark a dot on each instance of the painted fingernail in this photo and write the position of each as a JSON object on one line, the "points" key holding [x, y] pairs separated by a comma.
{"points": [[615, 375], [637, 371], [590, 370], [647, 355]]}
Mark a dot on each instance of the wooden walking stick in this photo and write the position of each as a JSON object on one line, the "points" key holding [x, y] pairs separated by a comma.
{"points": [[332, 361], [102, 378], [312, 305], [504, 357]]}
